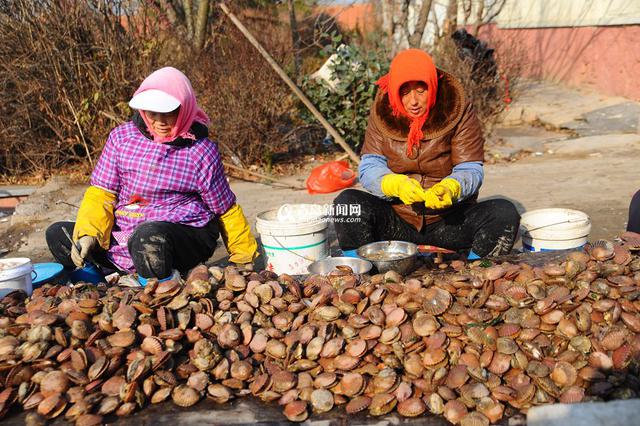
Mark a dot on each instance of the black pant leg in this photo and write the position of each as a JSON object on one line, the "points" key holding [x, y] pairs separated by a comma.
{"points": [[60, 247], [157, 248], [633, 224], [489, 228], [376, 221], [58, 243]]}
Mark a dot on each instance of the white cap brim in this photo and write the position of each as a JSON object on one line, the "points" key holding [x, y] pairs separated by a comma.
{"points": [[154, 100]]}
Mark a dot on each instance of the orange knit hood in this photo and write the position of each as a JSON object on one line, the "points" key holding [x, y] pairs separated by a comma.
{"points": [[410, 65]]}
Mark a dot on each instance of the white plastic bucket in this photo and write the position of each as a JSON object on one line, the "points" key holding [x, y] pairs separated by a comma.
{"points": [[15, 274], [554, 229], [293, 237]]}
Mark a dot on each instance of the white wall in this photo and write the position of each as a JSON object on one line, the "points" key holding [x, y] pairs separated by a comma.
{"points": [[568, 13]]}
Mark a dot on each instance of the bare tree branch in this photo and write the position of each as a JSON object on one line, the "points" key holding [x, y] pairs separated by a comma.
{"points": [[491, 16], [188, 16], [399, 25], [416, 38], [201, 23], [295, 37], [466, 7], [451, 21], [477, 22], [169, 11], [486, 12]]}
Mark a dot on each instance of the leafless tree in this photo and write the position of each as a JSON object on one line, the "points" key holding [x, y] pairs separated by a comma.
{"points": [[451, 20], [201, 23], [393, 17], [188, 16], [186, 24], [485, 12], [423, 17], [295, 36]]}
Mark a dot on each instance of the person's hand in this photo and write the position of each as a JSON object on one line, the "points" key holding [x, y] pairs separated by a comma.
{"points": [[442, 195], [402, 186], [82, 248]]}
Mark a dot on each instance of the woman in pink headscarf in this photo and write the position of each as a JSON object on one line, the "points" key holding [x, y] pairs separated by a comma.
{"points": [[159, 198]]}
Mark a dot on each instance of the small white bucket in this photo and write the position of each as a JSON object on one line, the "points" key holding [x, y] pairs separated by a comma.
{"points": [[15, 274], [554, 229], [293, 237]]}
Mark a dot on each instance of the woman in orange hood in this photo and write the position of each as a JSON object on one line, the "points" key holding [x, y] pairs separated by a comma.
{"points": [[422, 165]]}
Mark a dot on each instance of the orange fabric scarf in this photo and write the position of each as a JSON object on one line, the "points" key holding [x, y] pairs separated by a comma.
{"points": [[410, 65]]}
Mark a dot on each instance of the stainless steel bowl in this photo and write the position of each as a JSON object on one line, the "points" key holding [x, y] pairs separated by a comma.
{"points": [[404, 259], [324, 266]]}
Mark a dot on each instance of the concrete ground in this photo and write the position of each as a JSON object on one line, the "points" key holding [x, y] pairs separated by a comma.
{"points": [[556, 148]]}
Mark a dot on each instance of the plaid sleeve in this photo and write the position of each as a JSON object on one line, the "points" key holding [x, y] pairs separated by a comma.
{"points": [[105, 175], [214, 188]]}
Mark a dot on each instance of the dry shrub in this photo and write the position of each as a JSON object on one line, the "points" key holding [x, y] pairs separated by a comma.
{"points": [[249, 105], [490, 78], [68, 68]]}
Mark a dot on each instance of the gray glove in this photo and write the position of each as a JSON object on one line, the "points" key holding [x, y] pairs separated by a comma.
{"points": [[82, 248], [242, 267]]}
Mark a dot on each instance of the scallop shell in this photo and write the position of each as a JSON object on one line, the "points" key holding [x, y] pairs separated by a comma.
{"points": [[370, 332], [283, 381], [411, 407], [564, 374], [296, 411], [454, 411], [358, 404], [381, 404], [219, 393], [321, 400], [356, 347], [572, 395], [457, 376], [436, 301], [622, 255], [345, 362], [425, 325], [53, 383], [621, 357], [184, 396], [613, 339], [433, 356], [602, 250], [506, 345], [500, 363], [508, 330], [631, 320], [396, 317], [124, 317], [122, 339]]}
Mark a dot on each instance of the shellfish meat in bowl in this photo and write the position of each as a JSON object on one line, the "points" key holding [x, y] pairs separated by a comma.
{"points": [[326, 265], [399, 256]]}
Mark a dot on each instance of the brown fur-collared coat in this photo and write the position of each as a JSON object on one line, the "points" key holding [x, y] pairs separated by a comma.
{"points": [[452, 135]]}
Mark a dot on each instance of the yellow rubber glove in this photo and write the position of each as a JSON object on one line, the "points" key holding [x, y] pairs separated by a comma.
{"points": [[443, 194], [237, 237], [95, 217], [402, 186]]}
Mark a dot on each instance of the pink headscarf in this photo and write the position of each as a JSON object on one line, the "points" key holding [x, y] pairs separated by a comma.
{"points": [[176, 84]]}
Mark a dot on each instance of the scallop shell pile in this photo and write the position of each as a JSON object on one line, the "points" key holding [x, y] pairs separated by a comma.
{"points": [[470, 342]]}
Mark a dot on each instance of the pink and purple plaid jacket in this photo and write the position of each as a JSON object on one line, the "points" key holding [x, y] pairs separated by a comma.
{"points": [[180, 183]]}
